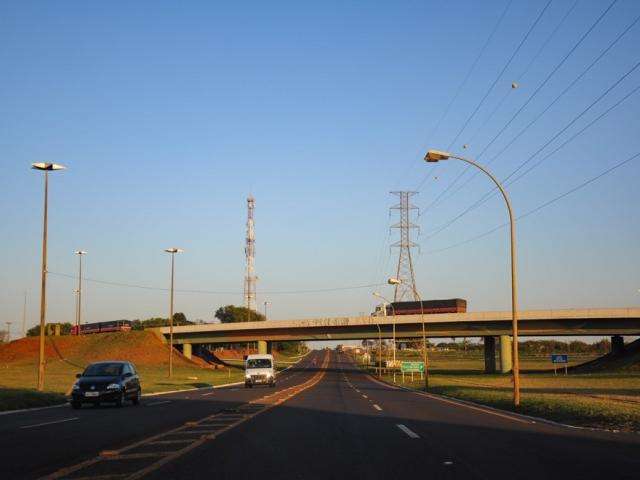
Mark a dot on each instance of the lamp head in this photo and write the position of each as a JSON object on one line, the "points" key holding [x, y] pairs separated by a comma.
{"points": [[173, 250], [436, 156], [80, 252], [47, 166], [394, 281]]}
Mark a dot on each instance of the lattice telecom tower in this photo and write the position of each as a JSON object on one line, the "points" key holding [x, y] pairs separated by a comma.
{"points": [[406, 289], [250, 251]]}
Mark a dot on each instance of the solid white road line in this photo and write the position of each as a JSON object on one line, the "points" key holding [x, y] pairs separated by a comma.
{"points": [[364, 396], [377, 407], [22, 410], [158, 403], [50, 423], [406, 430]]}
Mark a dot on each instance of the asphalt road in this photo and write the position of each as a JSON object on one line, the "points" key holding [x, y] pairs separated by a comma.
{"points": [[345, 424]]}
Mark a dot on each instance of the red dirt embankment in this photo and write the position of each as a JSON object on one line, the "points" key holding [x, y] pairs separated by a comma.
{"points": [[141, 348]]}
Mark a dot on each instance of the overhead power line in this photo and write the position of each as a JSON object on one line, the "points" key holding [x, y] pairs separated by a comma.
{"points": [[524, 72], [467, 76], [487, 195], [504, 68], [539, 207], [554, 101], [531, 97], [215, 292]]}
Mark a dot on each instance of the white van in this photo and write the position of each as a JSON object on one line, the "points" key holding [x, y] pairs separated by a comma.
{"points": [[259, 370]]}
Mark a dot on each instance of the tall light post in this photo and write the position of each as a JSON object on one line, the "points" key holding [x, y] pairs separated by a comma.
{"points": [[9, 331], [24, 316], [173, 252], [386, 302], [46, 168], [425, 357], [80, 253], [435, 156], [266, 304]]}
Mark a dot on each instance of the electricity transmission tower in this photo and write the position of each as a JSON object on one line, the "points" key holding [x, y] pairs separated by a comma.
{"points": [[406, 289], [249, 251]]}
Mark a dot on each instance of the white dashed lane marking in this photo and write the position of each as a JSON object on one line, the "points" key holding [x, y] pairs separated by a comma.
{"points": [[377, 407], [50, 423], [406, 430]]}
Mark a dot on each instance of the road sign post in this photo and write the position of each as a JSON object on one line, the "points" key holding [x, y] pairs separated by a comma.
{"points": [[559, 359], [412, 367]]}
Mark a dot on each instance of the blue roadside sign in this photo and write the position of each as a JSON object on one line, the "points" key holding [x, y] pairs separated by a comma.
{"points": [[559, 358]]}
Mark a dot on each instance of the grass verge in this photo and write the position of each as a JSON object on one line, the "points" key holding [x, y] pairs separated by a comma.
{"points": [[603, 400], [20, 398]]}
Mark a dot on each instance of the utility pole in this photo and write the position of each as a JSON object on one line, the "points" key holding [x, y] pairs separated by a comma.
{"points": [[24, 316], [406, 288], [9, 331], [173, 252], [79, 291], [250, 252]]}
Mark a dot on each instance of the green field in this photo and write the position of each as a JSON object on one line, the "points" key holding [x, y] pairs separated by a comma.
{"points": [[602, 400]]}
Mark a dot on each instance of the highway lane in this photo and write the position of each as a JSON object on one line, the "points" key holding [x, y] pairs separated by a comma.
{"points": [[36, 443], [350, 425], [345, 424]]}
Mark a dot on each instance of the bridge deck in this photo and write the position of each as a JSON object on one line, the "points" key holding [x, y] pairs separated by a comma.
{"points": [[597, 321]]}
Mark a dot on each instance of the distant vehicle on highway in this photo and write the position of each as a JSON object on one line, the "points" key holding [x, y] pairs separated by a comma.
{"points": [[107, 382], [429, 307], [102, 327], [259, 371]]}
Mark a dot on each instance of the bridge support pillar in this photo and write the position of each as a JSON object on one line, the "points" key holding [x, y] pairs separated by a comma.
{"points": [[264, 347], [506, 359], [617, 345], [489, 354], [186, 350]]}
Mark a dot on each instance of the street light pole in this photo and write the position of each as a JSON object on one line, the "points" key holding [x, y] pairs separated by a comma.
{"points": [[24, 316], [265, 309], [435, 156], [173, 252], [46, 168], [379, 351], [386, 302], [9, 331], [425, 358], [79, 306]]}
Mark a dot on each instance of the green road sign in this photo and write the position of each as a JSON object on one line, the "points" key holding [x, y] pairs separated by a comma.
{"points": [[409, 367]]}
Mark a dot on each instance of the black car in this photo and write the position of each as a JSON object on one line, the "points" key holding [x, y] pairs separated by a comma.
{"points": [[113, 382]]}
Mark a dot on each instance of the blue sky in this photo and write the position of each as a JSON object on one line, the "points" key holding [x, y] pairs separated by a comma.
{"points": [[168, 115]]}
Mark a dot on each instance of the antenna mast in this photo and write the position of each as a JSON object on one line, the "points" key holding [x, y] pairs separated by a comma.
{"points": [[250, 251]]}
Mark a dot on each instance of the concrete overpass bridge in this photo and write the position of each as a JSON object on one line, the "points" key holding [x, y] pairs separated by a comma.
{"points": [[614, 322]]}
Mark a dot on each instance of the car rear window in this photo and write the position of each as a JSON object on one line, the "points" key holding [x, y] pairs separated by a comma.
{"points": [[103, 370]]}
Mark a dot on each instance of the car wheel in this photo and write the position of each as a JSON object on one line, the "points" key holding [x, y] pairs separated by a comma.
{"points": [[136, 399], [76, 405], [120, 400]]}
